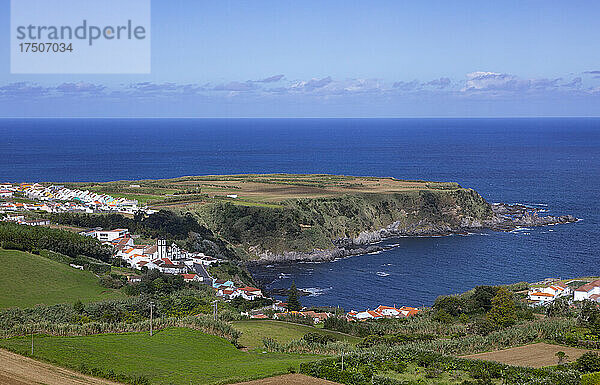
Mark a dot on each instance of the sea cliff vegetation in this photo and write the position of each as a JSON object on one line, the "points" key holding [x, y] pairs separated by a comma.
{"points": [[302, 225]]}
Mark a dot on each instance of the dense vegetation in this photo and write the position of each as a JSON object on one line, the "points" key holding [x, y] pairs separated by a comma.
{"points": [[305, 224], [163, 224], [371, 367], [35, 238]]}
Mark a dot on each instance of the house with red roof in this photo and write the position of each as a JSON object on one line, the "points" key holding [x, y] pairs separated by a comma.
{"points": [[249, 293], [191, 277], [589, 291], [546, 294], [382, 312]]}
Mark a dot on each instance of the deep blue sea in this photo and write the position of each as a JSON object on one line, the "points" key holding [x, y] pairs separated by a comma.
{"points": [[552, 163]]}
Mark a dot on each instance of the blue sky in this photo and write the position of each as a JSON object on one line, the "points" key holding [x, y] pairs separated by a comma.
{"points": [[338, 58]]}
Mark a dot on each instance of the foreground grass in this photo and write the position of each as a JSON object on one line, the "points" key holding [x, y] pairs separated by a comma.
{"points": [[254, 331], [27, 280], [172, 356]]}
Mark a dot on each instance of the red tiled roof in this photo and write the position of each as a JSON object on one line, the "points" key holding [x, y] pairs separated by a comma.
{"points": [[589, 286], [248, 288], [188, 276], [374, 314]]}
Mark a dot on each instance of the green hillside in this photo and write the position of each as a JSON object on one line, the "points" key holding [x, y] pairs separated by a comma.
{"points": [[172, 356], [27, 280]]}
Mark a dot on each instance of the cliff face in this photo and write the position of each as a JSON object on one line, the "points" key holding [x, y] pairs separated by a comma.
{"points": [[334, 227]]}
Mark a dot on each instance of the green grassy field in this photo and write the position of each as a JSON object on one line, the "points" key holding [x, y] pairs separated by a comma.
{"points": [[27, 280], [264, 190], [254, 331], [172, 356]]}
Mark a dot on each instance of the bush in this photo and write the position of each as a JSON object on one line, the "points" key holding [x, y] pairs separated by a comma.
{"points": [[591, 379], [588, 362], [317, 338]]}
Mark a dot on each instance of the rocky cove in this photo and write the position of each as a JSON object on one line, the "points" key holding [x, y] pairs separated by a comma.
{"points": [[505, 217]]}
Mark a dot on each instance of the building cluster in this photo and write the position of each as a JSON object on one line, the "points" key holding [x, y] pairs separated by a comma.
{"points": [[228, 290], [21, 220], [57, 199], [168, 259], [545, 294], [382, 312]]}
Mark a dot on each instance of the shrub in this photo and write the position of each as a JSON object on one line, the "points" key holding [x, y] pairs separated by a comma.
{"points": [[588, 362], [591, 379], [317, 338]]}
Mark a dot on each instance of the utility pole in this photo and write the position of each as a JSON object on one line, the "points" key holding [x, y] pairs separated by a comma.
{"points": [[32, 341], [215, 307], [151, 307], [342, 360]]}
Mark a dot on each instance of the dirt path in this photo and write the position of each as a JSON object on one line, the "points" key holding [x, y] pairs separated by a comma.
{"points": [[19, 370], [290, 379], [534, 355]]}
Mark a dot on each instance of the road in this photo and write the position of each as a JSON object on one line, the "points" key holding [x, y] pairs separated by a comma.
{"points": [[20, 370]]}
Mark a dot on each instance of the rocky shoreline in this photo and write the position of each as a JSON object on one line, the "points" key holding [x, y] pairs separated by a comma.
{"points": [[506, 217]]}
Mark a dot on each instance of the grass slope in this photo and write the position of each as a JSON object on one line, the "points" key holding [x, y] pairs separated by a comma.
{"points": [[172, 356], [254, 331], [27, 280]]}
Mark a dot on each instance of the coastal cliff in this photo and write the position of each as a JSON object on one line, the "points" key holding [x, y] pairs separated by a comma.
{"points": [[328, 228]]}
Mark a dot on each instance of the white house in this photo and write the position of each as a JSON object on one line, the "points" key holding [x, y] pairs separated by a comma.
{"points": [[166, 266], [106, 235], [227, 292], [249, 293], [547, 294], [111, 235], [388, 311], [589, 291], [191, 278]]}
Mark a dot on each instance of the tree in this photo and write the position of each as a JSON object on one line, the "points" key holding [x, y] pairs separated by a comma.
{"points": [[562, 357], [451, 304], [293, 301], [503, 312], [482, 297], [78, 307]]}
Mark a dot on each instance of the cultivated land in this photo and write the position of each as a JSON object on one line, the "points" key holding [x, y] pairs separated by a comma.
{"points": [[262, 190], [290, 379], [27, 280], [19, 370], [172, 356], [254, 331], [534, 355]]}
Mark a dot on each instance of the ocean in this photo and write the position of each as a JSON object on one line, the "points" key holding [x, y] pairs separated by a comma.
{"points": [[553, 164]]}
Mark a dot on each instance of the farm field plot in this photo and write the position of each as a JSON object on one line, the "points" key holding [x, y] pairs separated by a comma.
{"points": [[256, 189], [290, 379], [534, 355], [28, 279], [254, 331], [177, 356]]}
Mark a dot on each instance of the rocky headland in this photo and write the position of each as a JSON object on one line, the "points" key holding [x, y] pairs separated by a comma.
{"points": [[505, 217]]}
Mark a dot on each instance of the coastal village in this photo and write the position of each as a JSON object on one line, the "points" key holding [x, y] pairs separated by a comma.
{"points": [[168, 258], [59, 199]]}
